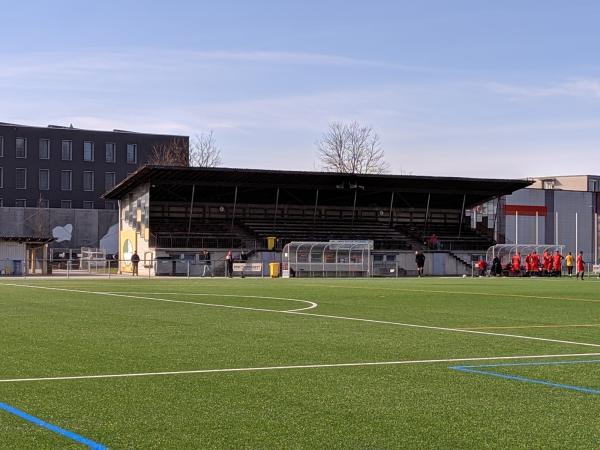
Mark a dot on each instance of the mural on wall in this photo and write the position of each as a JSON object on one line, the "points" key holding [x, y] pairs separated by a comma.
{"points": [[63, 234], [127, 252], [110, 241], [134, 231], [136, 210]]}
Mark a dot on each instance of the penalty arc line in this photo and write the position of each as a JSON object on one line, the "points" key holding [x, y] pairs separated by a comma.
{"points": [[292, 367], [326, 316], [312, 304]]}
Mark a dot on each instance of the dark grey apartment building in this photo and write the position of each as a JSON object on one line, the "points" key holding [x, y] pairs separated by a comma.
{"points": [[66, 167]]}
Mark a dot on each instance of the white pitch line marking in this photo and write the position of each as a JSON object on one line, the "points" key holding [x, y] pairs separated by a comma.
{"points": [[439, 291], [326, 316], [591, 325], [304, 366], [312, 304]]}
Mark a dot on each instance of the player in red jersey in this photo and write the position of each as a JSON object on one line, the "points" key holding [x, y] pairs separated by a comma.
{"points": [[516, 263], [535, 262], [557, 263], [528, 264], [580, 265], [547, 262]]}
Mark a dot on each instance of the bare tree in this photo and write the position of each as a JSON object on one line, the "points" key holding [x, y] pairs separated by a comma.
{"points": [[351, 148], [172, 153], [204, 151]]}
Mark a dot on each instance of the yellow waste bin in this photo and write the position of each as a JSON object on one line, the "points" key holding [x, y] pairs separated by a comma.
{"points": [[271, 242], [274, 269]]}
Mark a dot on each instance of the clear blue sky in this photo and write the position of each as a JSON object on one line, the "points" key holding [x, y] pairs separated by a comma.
{"points": [[506, 89]]}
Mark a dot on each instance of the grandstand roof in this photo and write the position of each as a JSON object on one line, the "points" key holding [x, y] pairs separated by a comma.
{"points": [[444, 190]]}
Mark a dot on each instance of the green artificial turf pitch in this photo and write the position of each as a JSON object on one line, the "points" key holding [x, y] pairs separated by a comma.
{"points": [[69, 328]]}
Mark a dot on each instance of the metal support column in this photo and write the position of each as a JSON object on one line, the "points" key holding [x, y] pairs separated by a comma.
{"points": [[427, 214], [276, 209], [234, 207], [462, 214], [392, 210], [354, 205], [191, 212], [316, 205]]}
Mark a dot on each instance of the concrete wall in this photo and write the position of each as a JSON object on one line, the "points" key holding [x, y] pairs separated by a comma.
{"points": [[72, 228], [436, 263]]}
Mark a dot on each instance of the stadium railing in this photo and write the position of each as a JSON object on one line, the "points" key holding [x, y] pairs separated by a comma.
{"points": [[118, 268]]}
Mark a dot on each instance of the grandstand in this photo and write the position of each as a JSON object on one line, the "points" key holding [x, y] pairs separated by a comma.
{"points": [[173, 210]]}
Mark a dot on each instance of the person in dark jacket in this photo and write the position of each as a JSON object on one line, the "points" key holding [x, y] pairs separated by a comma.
{"points": [[229, 264], [135, 261], [420, 260], [496, 267]]}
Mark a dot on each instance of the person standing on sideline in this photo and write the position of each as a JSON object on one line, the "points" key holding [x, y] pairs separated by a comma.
{"points": [[482, 266], [516, 263], [496, 267], [135, 261], [207, 266], [229, 264], [569, 263], [547, 262], [535, 263], [558, 263], [580, 265], [420, 260]]}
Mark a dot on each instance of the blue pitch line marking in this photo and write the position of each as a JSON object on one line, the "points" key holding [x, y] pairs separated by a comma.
{"points": [[476, 369], [65, 433]]}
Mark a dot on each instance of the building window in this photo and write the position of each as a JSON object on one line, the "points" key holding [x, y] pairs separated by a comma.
{"points": [[547, 184], [65, 204], [88, 151], [43, 203], [594, 185], [44, 148], [21, 179], [21, 203], [1, 177], [88, 205], [44, 180], [132, 153], [21, 148], [88, 181], [66, 180], [67, 151], [1, 146], [109, 180], [109, 204], [110, 155]]}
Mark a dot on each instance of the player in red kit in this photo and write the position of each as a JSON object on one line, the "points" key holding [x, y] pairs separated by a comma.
{"points": [[547, 262], [535, 262], [580, 266], [557, 263], [527, 264], [516, 263]]}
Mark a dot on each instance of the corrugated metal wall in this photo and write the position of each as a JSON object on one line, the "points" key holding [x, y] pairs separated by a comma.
{"points": [[527, 224], [561, 205], [12, 250]]}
